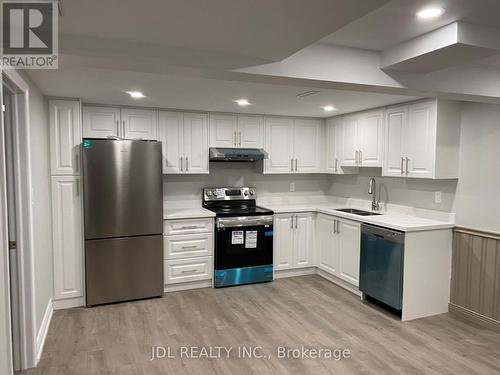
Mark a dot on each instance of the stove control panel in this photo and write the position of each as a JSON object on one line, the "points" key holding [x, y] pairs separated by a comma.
{"points": [[224, 194]]}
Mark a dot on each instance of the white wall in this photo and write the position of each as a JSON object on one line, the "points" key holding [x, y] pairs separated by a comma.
{"points": [[41, 200], [477, 202], [178, 187]]}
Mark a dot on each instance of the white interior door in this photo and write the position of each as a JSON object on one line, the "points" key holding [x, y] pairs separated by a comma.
{"points": [[306, 146], [283, 242], [171, 135], [100, 122], [278, 144], [396, 120], [195, 143], [251, 131], [223, 130]]}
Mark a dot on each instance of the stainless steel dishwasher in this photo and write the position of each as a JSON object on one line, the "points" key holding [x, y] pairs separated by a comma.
{"points": [[381, 265]]}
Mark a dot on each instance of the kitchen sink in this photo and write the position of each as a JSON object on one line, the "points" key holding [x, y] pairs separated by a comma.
{"points": [[357, 212]]}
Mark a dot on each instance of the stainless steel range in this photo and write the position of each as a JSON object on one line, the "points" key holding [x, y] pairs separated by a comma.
{"points": [[243, 236]]}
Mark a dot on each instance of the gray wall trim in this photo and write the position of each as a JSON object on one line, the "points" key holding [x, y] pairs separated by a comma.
{"points": [[474, 317]]}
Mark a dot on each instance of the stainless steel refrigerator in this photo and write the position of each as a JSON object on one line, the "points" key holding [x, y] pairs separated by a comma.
{"points": [[123, 209]]}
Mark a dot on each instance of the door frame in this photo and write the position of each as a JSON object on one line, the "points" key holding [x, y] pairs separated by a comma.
{"points": [[14, 83]]}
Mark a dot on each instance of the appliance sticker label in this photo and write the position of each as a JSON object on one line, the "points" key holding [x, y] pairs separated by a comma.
{"points": [[87, 143], [237, 237], [251, 239], [220, 193]]}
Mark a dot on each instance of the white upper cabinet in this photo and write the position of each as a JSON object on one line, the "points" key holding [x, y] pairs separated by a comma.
{"points": [[279, 145], [294, 146], [306, 146], [101, 122], [196, 143], [422, 140], [65, 137], [236, 131], [139, 123], [251, 131], [362, 139], [223, 130], [333, 148], [184, 138], [171, 135], [130, 123]]}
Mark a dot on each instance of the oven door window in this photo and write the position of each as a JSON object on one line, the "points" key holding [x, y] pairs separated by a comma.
{"points": [[237, 247]]}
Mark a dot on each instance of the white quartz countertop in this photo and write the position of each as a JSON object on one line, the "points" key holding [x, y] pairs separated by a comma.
{"points": [[393, 220], [186, 213]]}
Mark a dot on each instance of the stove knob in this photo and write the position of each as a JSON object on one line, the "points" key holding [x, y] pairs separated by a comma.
{"points": [[245, 193], [252, 192], [209, 193]]}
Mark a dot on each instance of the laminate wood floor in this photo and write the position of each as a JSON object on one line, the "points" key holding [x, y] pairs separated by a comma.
{"points": [[302, 311]]}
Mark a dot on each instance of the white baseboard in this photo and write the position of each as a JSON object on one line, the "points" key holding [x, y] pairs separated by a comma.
{"points": [[42, 333], [294, 272], [68, 303], [186, 286]]}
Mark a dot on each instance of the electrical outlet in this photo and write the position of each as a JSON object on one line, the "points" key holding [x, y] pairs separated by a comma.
{"points": [[438, 197], [292, 186]]}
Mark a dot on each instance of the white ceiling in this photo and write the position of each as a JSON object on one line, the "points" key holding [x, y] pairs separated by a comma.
{"points": [[396, 22], [107, 86], [226, 33]]}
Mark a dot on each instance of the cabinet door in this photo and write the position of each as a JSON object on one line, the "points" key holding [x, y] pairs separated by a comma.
{"points": [[171, 135], [370, 138], [139, 123], [421, 138], [349, 141], [331, 161], [101, 122], [304, 254], [250, 131], [67, 236], [283, 242], [395, 142], [223, 130], [306, 146], [65, 137], [195, 143], [349, 237], [278, 141], [327, 244]]}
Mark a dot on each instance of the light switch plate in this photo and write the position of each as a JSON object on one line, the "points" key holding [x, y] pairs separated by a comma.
{"points": [[292, 186]]}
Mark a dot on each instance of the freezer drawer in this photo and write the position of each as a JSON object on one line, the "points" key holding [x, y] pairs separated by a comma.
{"points": [[122, 269]]}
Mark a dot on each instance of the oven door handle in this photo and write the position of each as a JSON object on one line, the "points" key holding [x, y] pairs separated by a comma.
{"points": [[244, 221]]}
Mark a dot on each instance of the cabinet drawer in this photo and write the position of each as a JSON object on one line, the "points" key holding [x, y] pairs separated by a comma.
{"points": [[185, 270], [188, 245], [188, 226]]}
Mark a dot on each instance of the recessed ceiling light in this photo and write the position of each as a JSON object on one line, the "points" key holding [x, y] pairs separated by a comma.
{"points": [[428, 13], [242, 102], [328, 108], [136, 94]]}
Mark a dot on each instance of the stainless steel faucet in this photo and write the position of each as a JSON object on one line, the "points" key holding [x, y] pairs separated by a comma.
{"points": [[372, 189]]}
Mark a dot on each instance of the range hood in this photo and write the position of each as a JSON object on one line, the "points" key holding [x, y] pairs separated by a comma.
{"points": [[237, 154]]}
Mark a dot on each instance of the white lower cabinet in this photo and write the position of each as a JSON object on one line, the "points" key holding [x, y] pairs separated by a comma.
{"points": [[67, 236], [293, 241], [339, 243], [188, 250]]}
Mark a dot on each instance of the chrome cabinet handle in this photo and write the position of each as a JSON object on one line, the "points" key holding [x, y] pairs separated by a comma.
{"points": [[187, 164], [189, 247], [291, 223], [188, 271], [295, 164], [338, 226], [356, 157], [117, 128], [77, 187], [334, 226], [402, 168], [182, 163], [239, 138], [123, 130], [235, 139], [336, 165], [407, 160], [190, 227], [296, 222], [291, 164], [360, 157]]}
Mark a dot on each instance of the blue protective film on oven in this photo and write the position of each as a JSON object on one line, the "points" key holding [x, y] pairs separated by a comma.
{"points": [[268, 233]]}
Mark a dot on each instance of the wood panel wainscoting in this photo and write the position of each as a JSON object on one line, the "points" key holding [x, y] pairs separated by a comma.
{"points": [[475, 279]]}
